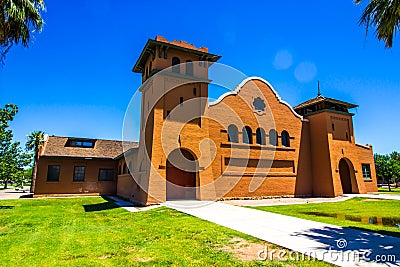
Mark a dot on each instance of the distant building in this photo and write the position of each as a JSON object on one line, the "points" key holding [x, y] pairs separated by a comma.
{"points": [[262, 147], [78, 166]]}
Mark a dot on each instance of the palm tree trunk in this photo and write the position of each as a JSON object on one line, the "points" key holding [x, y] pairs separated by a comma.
{"points": [[33, 181], [2, 23]]}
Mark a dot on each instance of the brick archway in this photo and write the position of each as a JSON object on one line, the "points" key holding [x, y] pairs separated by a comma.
{"points": [[181, 174]]}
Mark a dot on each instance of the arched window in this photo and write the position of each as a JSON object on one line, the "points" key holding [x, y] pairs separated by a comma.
{"points": [[189, 68], [273, 138], [247, 135], [233, 134], [125, 171], [175, 65], [260, 136], [285, 139]]}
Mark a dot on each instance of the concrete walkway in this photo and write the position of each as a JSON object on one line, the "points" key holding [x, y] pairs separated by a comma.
{"points": [[298, 200], [11, 193], [326, 242], [285, 201], [129, 205]]}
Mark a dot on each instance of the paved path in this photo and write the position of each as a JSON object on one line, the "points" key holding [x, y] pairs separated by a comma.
{"points": [[376, 196], [298, 200], [11, 193], [285, 201], [129, 205], [296, 234]]}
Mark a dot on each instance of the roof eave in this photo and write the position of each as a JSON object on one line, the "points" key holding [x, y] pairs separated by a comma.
{"points": [[329, 110], [136, 68], [346, 104], [126, 152], [75, 157]]}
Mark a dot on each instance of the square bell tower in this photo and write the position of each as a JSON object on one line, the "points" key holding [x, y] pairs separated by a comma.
{"points": [[174, 99]]}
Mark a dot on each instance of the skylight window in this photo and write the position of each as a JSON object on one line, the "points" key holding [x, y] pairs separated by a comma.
{"points": [[80, 143]]}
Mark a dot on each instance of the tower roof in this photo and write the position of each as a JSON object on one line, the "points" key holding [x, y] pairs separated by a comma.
{"points": [[150, 47], [321, 104], [321, 98]]}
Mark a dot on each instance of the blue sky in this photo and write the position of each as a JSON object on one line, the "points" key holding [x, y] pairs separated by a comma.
{"points": [[75, 79]]}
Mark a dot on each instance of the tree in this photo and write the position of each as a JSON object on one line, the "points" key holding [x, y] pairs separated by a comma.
{"points": [[34, 143], [384, 15], [6, 115], [13, 163], [18, 20], [396, 156], [28, 171], [387, 168], [12, 157]]}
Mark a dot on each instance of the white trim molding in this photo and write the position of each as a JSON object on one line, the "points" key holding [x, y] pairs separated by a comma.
{"points": [[240, 86]]}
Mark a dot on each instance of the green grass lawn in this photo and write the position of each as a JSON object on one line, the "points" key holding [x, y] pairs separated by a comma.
{"points": [[94, 232], [386, 190], [354, 209]]}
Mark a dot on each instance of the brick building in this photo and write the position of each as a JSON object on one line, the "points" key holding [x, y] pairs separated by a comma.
{"points": [[78, 166], [248, 143]]}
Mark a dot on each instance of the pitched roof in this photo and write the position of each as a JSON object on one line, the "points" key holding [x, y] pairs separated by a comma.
{"points": [[56, 146], [151, 44], [321, 98], [183, 44]]}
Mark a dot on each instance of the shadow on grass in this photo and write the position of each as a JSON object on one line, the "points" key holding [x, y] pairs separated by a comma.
{"points": [[108, 205], [6, 207]]}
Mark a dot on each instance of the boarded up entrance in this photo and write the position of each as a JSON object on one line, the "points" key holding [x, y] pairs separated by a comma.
{"points": [[181, 175]]}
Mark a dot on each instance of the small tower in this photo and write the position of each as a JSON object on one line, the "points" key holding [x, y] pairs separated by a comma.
{"points": [[337, 161], [340, 124], [173, 103]]}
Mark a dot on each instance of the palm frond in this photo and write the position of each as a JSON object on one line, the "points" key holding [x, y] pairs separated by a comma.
{"points": [[384, 15], [18, 19], [35, 141]]}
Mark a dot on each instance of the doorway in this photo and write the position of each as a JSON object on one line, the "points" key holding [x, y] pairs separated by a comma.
{"points": [[181, 175], [347, 177]]}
